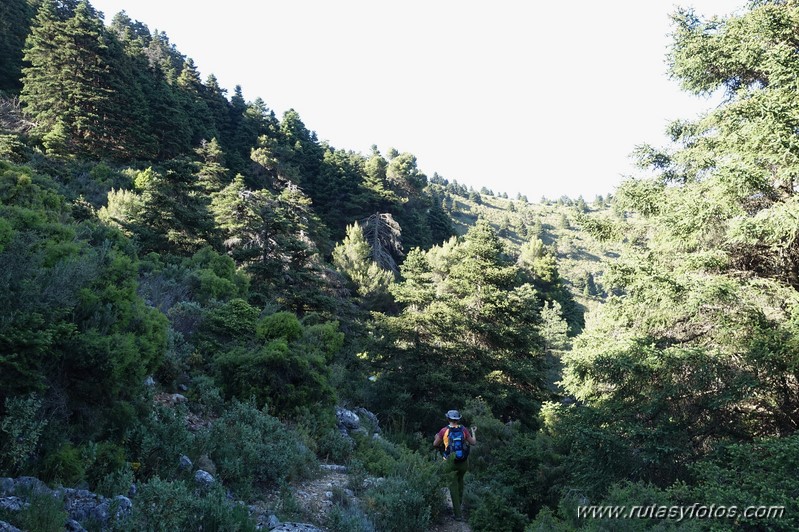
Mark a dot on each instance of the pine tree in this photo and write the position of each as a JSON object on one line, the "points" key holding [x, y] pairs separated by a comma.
{"points": [[695, 351], [383, 234], [269, 236], [469, 327], [338, 190], [15, 21], [353, 258], [42, 80], [212, 174], [78, 88], [192, 98], [175, 217], [378, 195]]}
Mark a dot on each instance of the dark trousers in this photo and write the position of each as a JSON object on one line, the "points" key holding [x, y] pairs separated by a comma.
{"points": [[455, 472]]}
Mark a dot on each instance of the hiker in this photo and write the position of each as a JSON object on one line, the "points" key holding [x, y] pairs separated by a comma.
{"points": [[455, 440]]}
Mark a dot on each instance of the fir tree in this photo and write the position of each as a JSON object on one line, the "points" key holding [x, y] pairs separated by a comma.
{"points": [[15, 20]]}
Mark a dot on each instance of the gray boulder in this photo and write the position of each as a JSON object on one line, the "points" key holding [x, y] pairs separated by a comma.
{"points": [[12, 504], [296, 527], [80, 505], [335, 468], [347, 419], [203, 479], [273, 522], [185, 463], [5, 527]]}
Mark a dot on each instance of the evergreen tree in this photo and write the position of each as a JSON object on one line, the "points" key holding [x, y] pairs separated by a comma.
{"points": [[440, 224], [15, 20], [302, 149], [469, 328], [75, 88], [241, 138], [269, 236], [695, 353], [353, 258], [383, 234], [175, 217], [338, 190], [43, 79], [192, 98], [403, 174], [379, 196], [212, 174]]}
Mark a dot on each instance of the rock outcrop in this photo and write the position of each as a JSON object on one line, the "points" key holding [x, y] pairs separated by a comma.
{"points": [[80, 505]]}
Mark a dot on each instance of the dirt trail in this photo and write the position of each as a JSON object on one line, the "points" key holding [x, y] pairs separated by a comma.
{"points": [[315, 497], [448, 524]]}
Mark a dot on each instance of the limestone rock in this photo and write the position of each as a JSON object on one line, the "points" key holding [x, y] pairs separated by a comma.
{"points": [[184, 463], [203, 479], [347, 419]]}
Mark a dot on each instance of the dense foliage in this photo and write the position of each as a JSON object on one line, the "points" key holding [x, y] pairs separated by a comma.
{"points": [[158, 236]]}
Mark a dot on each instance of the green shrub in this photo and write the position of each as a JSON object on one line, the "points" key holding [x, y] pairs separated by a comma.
{"points": [[251, 447], [411, 489], [232, 320], [287, 377], [166, 506], [288, 507], [335, 447], [546, 521], [176, 359], [206, 397], [186, 318], [346, 516], [314, 425], [64, 466], [325, 337], [356, 476], [45, 513], [279, 325], [379, 457], [161, 439], [214, 277], [20, 430], [117, 482], [492, 511], [102, 459], [395, 506]]}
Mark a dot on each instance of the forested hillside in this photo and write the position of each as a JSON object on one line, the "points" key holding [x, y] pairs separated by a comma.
{"points": [[187, 278]]}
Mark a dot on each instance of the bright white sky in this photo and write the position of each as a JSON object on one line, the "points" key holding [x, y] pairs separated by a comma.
{"points": [[542, 98]]}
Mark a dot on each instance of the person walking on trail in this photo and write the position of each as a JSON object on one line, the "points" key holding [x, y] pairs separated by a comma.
{"points": [[455, 441]]}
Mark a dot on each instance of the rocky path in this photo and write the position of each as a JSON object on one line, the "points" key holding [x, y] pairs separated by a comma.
{"points": [[316, 497]]}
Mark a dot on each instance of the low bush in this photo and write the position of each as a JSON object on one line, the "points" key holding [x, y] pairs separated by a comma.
{"points": [[410, 496], [161, 440], [162, 505], [251, 447], [45, 513], [490, 510], [345, 516], [65, 466]]}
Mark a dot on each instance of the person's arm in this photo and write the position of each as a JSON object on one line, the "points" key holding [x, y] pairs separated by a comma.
{"points": [[437, 440], [471, 436]]}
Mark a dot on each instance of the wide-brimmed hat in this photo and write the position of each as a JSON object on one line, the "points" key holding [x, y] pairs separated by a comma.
{"points": [[454, 415]]}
